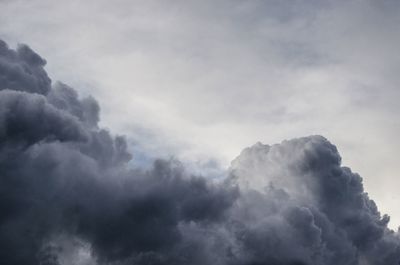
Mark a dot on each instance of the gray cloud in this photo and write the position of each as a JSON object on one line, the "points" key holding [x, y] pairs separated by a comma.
{"points": [[62, 175], [206, 78], [66, 98], [29, 118], [22, 69], [325, 201], [69, 196]]}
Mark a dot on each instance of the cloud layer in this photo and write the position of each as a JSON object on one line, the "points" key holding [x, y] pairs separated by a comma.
{"points": [[201, 80], [69, 196]]}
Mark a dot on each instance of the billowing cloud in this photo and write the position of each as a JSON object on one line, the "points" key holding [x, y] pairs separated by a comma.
{"points": [[69, 196], [317, 202], [22, 69]]}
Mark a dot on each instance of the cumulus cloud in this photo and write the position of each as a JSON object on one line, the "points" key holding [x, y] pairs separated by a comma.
{"points": [[22, 69], [323, 203], [69, 196]]}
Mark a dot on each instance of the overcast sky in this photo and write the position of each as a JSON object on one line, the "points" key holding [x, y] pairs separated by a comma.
{"points": [[201, 80]]}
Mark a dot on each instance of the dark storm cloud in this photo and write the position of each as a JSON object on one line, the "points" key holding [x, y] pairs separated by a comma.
{"points": [[324, 204], [62, 175], [28, 118], [65, 180], [22, 69], [66, 98]]}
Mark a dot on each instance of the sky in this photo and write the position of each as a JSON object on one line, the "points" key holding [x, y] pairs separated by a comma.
{"points": [[201, 80]]}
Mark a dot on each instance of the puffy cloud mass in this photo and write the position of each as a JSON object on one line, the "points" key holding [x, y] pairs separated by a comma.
{"points": [[69, 196]]}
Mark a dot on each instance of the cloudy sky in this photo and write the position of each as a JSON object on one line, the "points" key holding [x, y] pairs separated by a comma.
{"points": [[201, 80]]}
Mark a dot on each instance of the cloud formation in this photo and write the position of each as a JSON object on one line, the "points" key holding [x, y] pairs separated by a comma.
{"points": [[321, 202], [22, 69], [181, 69], [69, 196]]}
